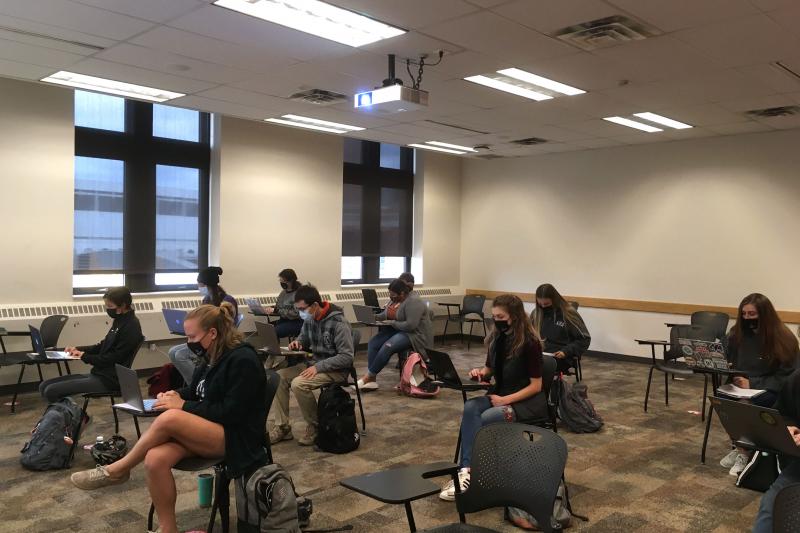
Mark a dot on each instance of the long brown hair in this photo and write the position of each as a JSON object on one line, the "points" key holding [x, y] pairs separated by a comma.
{"points": [[221, 319], [779, 346], [522, 330], [547, 291]]}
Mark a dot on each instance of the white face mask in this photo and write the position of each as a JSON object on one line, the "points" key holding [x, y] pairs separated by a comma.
{"points": [[203, 291], [305, 315]]}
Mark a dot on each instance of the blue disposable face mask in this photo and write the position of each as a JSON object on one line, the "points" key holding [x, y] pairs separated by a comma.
{"points": [[304, 314], [203, 291]]}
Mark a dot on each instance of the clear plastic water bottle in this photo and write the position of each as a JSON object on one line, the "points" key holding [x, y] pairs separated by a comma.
{"points": [[98, 440]]}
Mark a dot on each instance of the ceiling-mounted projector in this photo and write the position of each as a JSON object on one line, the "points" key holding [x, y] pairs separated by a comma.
{"points": [[392, 97]]}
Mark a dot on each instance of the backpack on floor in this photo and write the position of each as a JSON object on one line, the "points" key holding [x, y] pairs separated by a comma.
{"points": [[336, 414], [562, 514], [575, 409], [164, 379], [266, 502], [760, 472], [51, 445], [414, 379]]}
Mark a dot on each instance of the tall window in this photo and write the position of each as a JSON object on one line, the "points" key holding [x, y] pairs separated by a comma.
{"points": [[141, 194], [377, 213]]}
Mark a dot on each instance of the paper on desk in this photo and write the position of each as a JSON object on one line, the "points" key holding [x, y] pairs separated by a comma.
{"points": [[729, 389]]}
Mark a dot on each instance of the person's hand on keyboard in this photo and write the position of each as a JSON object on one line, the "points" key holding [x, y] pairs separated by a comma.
{"points": [[169, 400]]}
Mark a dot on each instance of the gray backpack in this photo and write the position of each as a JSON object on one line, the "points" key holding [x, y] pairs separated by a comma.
{"points": [[51, 445], [575, 409], [562, 514], [267, 502]]}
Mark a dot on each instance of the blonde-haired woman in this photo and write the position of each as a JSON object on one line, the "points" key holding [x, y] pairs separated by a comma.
{"points": [[220, 414], [560, 327]]}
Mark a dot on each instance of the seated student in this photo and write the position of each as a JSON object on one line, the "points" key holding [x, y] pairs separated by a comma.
{"points": [[407, 325], [119, 346], [208, 286], [408, 277], [761, 345], [560, 327], [289, 323], [788, 405], [221, 414], [514, 359], [327, 335]]}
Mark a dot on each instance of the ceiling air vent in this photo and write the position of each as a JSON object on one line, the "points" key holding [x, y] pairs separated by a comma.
{"points": [[489, 156], [530, 141], [605, 32], [782, 111], [318, 97]]}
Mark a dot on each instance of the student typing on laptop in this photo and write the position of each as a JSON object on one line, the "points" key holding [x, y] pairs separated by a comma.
{"points": [[119, 346], [221, 414]]}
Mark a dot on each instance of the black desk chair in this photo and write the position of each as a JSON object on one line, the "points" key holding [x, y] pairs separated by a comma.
{"points": [[471, 305], [514, 465], [670, 365], [221, 501], [786, 511], [352, 380]]}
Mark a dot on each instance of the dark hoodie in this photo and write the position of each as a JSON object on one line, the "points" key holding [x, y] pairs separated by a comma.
{"points": [[558, 335], [746, 356], [119, 347]]}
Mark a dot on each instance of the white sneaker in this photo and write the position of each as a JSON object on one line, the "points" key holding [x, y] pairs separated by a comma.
{"points": [[372, 385], [729, 460], [449, 491], [739, 464]]}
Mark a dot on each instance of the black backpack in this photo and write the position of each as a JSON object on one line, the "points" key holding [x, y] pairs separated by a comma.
{"points": [[575, 409], [760, 472], [337, 431], [51, 445]]}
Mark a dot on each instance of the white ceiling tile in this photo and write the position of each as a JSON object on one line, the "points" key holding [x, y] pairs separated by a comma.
{"points": [[7, 35], [738, 128], [161, 61], [596, 143], [25, 71], [781, 123], [759, 102], [488, 3], [492, 34], [47, 30], [368, 68], [467, 63], [772, 76], [155, 10], [211, 105], [131, 74], [284, 82], [640, 138], [473, 94], [345, 117], [596, 127], [71, 15], [550, 133], [693, 133], [420, 132], [771, 5], [412, 45], [703, 115], [586, 71], [409, 13], [37, 55], [547, 112], [679, 14], [270, 104], [594, 105], [787, 17], [383, 136], [742, 41], [209, 49], [547, 16]]}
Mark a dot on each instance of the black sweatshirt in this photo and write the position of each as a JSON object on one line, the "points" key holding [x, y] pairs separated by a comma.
{"points": [[788, 404], [559, 335], [746, 356], [119, 347], [234, 396]]}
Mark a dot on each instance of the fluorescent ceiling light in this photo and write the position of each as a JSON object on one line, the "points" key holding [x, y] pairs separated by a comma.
{"points": [[658, 119], [317, 18], [633, 124], [453, 146], [313, 124], [528, 77], [508, 87], [103, 85], [436, 149]]}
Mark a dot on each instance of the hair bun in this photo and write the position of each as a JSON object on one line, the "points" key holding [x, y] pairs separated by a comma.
{"points": [[218, 270]]}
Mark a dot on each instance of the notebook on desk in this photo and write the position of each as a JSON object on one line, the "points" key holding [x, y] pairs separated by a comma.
{"points": [[732, 391], [703, 354]]}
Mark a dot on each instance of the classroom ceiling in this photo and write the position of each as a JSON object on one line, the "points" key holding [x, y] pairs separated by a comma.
{"points": [[708, 62]]}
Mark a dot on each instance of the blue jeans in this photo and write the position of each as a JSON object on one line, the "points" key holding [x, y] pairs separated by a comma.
{"points": [[478, 412], [382, 346], [789, 475], [288, 328]]}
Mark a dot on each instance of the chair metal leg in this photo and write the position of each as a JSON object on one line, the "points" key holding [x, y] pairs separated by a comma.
{"points": [[58, 366], [647, 391], [116, 419], [66, 366], [666, 389], [410, 516], [361, 409], [444, 335], [39, 368], [705, 394], [150, 516], [458, 446], [16, 389], [469, 339], [484, 328], [705, 435], [86, 405]]}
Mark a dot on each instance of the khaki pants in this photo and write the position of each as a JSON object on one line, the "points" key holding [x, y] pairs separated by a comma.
{"points": [[303, 390]]}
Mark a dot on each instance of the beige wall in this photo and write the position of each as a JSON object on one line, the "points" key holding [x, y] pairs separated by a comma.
{"points": [[704, 221], [37, 147]]}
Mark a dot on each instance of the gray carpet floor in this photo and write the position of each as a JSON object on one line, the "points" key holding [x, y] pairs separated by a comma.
{"points": [[641, 473]]}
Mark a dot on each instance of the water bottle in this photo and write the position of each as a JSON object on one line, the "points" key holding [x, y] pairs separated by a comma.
{"points": [[98, 440]]}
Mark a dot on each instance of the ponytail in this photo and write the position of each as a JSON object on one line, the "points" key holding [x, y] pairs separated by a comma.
{"points": [[221, 319]]}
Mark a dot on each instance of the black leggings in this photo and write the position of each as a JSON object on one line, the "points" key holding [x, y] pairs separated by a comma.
{"points": [[54, 389]]}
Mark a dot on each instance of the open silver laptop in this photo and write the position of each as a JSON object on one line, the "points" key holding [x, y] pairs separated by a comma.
{"points": [[40, 353], [366, 315], [255, 307], [131, 394], [270, 340]]}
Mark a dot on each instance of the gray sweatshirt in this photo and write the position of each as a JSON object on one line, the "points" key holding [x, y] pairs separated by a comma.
{"points": [[284, 306], [414, 320], [330, 340]]}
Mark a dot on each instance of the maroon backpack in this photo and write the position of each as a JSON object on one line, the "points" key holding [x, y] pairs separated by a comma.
{"points": [[165, 379]]}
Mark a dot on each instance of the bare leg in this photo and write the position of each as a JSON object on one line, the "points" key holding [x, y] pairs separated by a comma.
{"points": [[200, 437], [158, 463]]}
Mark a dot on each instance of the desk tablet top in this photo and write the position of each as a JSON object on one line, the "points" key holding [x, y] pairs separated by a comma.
{"points": [[397, 485]]}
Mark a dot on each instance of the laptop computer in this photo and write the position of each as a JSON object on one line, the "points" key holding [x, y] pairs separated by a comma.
{"points": [[131, 394], [755, 427], [39, 352], [174, 319], [704, 354], [446, 374], [370, 298], [255, 307], [366, 315], [271, 343]]}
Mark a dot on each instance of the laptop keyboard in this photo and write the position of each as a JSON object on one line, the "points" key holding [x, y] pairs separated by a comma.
{"points": [[148, 404]]}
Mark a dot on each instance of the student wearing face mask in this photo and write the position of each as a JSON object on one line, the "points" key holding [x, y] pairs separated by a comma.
{"points": [[560, 327], [289, 323], [118, 347], [514, 360], [407, 325], [762, 347], [212, 292]]}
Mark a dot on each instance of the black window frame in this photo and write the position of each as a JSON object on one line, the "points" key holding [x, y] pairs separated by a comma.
{"points": [[372, 178], [141, 152]]}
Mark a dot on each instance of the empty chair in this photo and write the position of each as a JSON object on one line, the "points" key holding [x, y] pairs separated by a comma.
{"points": [[716, 322], [472, 304], [786, 510]]}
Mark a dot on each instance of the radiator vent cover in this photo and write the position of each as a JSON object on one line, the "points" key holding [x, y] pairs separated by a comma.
{"points": [[605, 32], [36, 311], [771, 112], [319, 97]]}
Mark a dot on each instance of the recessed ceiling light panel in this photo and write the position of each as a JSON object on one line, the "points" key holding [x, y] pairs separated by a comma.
{"points": [[525, 84], [633, 124], [505, 86], [103, 85], [664, 121], [317, 18], [298, 121], [540, 81], [451, 146], [437, 149]]}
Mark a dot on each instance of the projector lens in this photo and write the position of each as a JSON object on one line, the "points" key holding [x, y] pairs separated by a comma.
{"points": [[364, 99]]}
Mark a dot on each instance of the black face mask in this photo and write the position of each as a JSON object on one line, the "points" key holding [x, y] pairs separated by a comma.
{"points": [[547, 310], [112, 313], [502, 325], [284, 285], [749, 324], [197, 347]]}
